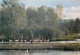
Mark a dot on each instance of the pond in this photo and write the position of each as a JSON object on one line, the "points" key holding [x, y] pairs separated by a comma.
{"points": [[39, 52]]}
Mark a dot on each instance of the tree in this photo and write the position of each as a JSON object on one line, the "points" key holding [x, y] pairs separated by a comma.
{"points": [[31, 17], [13, 18], [71, 25], [31, 35], [52, 17], [40, 18], [77, 25], [6, 3], [59, 9]]}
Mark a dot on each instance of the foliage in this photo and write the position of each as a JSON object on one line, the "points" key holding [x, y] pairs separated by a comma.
{"points": [[12, 19], [43, 22], [67, 38]]}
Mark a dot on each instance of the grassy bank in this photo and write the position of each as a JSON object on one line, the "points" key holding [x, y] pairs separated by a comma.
{"points": [[42, 46], [67, 38]]}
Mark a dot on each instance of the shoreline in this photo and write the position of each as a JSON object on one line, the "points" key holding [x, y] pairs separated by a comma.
{"points": [[41, 46]]}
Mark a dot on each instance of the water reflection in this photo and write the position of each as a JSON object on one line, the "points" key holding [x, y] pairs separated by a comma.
{"points": [[39, 52]]}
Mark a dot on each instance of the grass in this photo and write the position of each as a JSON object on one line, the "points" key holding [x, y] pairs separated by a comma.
{"points": [[54, 46], [67, 38]]}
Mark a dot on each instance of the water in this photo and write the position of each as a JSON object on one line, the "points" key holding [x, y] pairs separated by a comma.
{"points": [[39, 52]]}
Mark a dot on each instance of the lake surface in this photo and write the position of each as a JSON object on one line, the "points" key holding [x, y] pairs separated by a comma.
{"points": [[39, 52]]}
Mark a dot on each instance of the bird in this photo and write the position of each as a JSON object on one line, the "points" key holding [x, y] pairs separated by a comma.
{"points": [[27, 50]]}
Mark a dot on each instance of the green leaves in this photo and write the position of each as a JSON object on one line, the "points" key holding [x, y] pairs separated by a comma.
{"points": [[12, 18]]}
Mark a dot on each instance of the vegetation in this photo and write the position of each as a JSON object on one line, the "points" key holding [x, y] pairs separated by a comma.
{"points": [[67, 38], [43, 22]]}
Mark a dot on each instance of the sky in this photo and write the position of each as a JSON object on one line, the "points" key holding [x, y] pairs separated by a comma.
{"points": [[71, 7]]}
